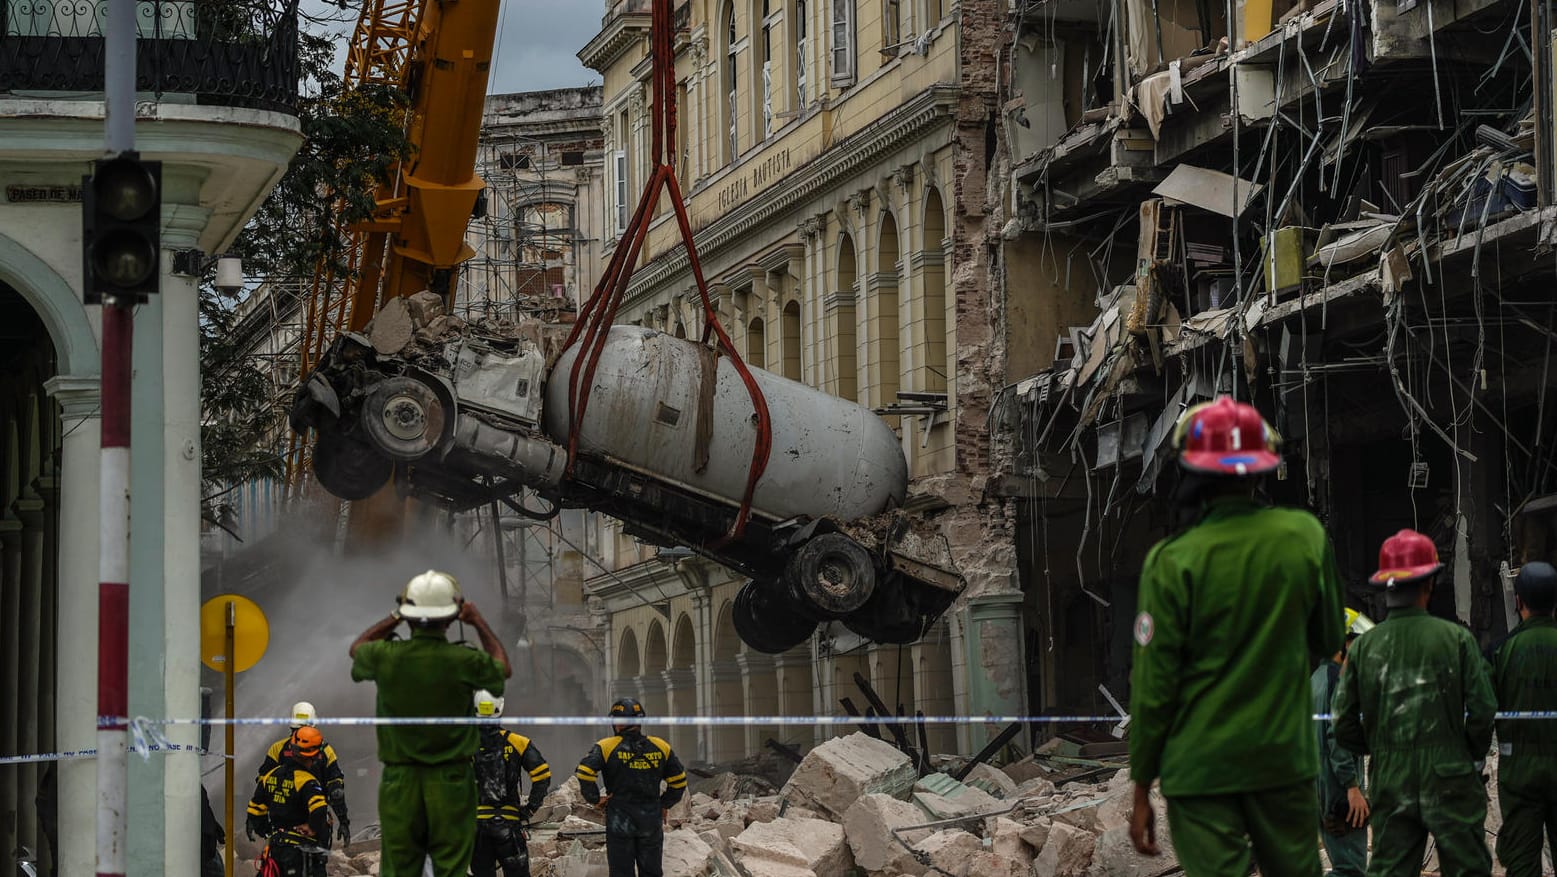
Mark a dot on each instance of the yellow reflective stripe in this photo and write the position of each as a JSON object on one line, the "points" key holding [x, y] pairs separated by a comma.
{"points": [[676, 784], [315, 803], [585, 771], [541, 773], [257, 809]]}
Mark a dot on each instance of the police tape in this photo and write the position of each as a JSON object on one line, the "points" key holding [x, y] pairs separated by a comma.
{"points": [[146, 739]]}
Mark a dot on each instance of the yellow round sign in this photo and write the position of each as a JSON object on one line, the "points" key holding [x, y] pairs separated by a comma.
{"points": [[250, 635]]}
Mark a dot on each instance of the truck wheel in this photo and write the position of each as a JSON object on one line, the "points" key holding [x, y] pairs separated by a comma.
{"points": [[831, 576], [404, 417], [349, 469], [766, 622]]}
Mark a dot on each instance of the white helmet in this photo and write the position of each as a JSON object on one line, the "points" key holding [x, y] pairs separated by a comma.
{"points": [[303, 714], [431, 596], [488, 704]]}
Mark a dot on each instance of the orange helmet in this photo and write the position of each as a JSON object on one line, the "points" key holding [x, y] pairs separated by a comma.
{"points": [[307, 741]]}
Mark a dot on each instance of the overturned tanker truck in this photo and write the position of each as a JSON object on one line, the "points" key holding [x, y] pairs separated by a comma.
{"points": [[466, 414]]}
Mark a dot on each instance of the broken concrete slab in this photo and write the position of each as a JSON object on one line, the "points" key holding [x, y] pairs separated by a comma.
{"points": [[686, 855], [807, 844], [985, 863], [869, 824], [1035, 834], [391, 328], [945, 798], [1005, 840], [992, 780], [835, 774], [949, 850], [1067, 852], [1209, 190], [1115, 856]]}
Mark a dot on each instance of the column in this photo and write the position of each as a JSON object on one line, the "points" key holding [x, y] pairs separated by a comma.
{"points": [[702, 616], [727, 741], [795, 677], [11, 718], [47, 487], [681, 687], [75, 709], [933, 686], [28, 509], [760, 687], [996, 669], [164, 798]]}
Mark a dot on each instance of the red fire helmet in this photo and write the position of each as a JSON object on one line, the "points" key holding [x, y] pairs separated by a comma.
{"points": [[1406, 557], [1224, 437]]}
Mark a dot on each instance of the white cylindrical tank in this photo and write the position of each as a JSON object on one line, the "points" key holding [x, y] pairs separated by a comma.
{"points": [[831, 457]]}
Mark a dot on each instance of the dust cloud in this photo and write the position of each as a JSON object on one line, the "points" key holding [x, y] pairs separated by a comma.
{"points": [[317, 600]]}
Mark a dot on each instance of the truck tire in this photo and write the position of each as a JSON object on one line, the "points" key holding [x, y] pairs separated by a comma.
{"points": [[404, 417], [766, 622], [349, 469], [830, 576]]}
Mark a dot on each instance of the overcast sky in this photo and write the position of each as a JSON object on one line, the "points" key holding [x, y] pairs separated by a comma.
{"points": [[538, 43]]}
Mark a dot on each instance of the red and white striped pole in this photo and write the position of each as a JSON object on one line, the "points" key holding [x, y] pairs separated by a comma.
{"points": [[113, 596]]}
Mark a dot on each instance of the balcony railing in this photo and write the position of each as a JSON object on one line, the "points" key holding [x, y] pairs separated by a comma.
{"points": [[223, 52]]}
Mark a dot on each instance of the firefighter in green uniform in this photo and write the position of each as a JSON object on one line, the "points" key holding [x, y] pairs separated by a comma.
{"points": [[632, 765], [330, 773], [1343, 809], [1415, 696], [1524, 675], [288, 810], [1230, 613], [501, 764], [427, 794]]}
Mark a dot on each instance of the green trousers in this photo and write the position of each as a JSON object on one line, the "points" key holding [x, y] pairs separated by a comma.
{"points": [[1414, 794], [427, 810], [1348, 852], [1214, 835], [1527, 796]]}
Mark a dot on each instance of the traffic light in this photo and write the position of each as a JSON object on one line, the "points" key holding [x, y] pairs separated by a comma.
{"points": [[121, 228]]}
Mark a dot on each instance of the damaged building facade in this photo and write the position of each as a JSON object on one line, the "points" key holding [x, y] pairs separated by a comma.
{"points": [[1340, 211], [835, 159]]}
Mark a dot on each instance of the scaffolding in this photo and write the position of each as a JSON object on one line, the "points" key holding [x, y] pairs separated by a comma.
{"points": [[527, 244]]}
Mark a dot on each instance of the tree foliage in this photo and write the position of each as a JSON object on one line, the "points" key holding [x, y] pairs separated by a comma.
{"points": [[352, 139]]}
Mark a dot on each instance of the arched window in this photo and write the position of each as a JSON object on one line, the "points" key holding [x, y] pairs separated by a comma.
{"points": [[731, 80], [882, 309], [932, 376], [756, 343], [842, 318], [791, 337]]}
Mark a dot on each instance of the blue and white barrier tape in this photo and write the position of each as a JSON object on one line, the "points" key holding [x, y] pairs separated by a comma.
{"points": [[146, 738]]}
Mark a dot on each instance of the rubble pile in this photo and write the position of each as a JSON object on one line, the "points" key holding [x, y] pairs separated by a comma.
{"points": [[855, 806]]}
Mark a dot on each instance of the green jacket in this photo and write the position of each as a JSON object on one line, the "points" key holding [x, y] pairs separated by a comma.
{"points": [[1524, 676], [1339, 767], [1233, 613], [1415, 694], [426, 675]]}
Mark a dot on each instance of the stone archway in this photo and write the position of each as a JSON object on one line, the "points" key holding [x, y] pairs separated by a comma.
{"points": [[30, 438], [727, 742], [652, 680], [681, 683]]}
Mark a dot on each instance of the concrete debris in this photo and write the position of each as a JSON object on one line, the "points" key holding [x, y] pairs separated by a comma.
{"points": [[950, 850], [837, 818], [869, 824], [1066, 853], [992, 780], [835, 774], [787, 846], [945, 798]]}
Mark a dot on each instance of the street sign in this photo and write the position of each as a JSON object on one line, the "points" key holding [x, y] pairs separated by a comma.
{"points": [[251, 632]]}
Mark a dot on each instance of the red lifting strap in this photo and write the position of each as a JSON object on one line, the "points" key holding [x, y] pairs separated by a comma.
{"points": [[598, 313]]}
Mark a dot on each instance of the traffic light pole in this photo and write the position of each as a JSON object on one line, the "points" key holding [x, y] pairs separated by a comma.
{"points": [[113, 599]]}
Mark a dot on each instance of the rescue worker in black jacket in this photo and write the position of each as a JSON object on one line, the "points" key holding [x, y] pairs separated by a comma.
{"points": [[501, 763], [632, 766], [329, 771], [289, 810]]}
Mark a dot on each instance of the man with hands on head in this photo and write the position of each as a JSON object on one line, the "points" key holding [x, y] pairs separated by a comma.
{"points": [[427, 795]]}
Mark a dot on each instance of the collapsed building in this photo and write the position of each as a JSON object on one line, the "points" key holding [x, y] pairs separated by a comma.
{"points": [[1340, 211]]}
